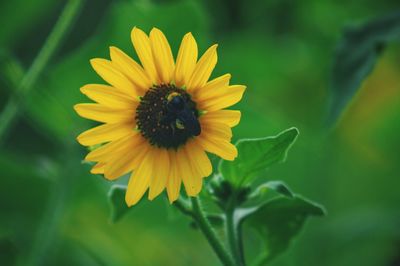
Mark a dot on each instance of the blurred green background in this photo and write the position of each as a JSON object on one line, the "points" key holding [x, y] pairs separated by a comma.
{"points": [[53, 212]]}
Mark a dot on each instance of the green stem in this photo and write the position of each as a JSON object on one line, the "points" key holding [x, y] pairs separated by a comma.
{"points": [[52, 43], [7, 117], [240, 243], [210, 234], [182, 206], [233, 236], [60, 173]]}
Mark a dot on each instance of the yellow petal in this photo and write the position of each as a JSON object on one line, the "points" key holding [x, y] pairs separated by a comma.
{"points": [[191, 181], [199, 161], [132, 70], [105, 133], [174, 180], [142, 45], [109, 73], [228, 117], [186, 60], [216, 130], [140, 180], [203, 69], [160, 173], [162, 55], [224, 98], [128, 159], [98, 168], [105, 114], [108, 96], [211, 88], [109, 150], [222, 148]]}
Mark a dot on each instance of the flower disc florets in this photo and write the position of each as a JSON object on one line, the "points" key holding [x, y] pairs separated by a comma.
{"points": [[167, 116]]}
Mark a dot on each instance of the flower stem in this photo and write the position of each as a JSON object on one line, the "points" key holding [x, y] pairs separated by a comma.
{"points": [[210, 234], [52, 43], [233, 236]]}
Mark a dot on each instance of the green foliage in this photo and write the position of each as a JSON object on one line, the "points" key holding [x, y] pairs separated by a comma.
{"points": [[17, 26], [277, 186], [356, 56], [119, 208], [278, 221], [256, 155], [9, 253], [11, 70], [278, 50]]}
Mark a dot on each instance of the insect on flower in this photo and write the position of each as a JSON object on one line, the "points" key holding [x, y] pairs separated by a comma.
{"points": [[159, 118]]}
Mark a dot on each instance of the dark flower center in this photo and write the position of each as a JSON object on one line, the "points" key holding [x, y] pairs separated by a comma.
{"points": [[167, 116]]}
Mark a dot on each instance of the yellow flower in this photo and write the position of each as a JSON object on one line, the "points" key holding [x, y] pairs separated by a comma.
{"points": [[159, 117]]}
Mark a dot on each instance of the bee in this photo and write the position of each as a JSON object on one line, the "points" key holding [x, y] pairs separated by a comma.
{"points": [[181, 115]]}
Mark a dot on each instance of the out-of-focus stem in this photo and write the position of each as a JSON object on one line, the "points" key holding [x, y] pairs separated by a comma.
{"points": [[52, 43]]}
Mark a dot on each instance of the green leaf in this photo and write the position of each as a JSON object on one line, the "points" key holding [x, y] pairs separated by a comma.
{"points": [[255, 155], [278, 221], [277, 186], [356, 55], [118, 204]]}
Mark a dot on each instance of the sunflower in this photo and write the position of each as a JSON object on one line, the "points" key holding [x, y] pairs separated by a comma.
{"points": [[159, 118]]}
